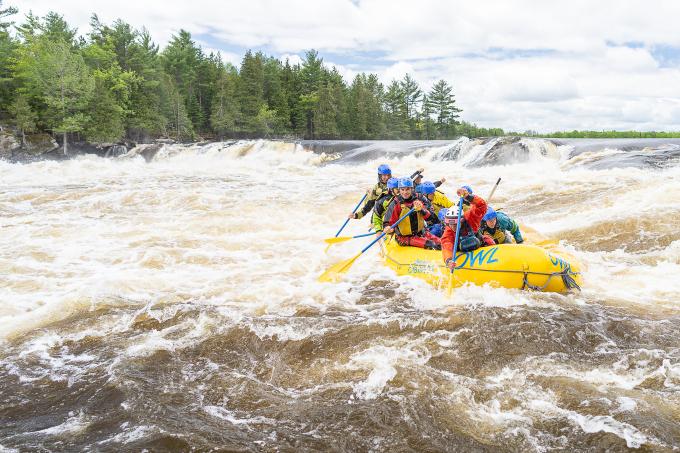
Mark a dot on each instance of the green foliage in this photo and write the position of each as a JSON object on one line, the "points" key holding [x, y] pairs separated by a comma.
{"points": [[57, 75], [24, 117], [225, 107], [115, 83]]}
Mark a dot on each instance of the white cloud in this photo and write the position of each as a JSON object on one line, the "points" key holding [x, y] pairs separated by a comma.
{"points": [[518, 65]]}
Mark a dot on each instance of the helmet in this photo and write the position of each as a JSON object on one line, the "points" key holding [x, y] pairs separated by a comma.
{"points": [[442, 214], [419, 188], [392, 183], [405, 182], [468, 188], [451, 217], [490, 214], [427, 188], [384, 169]]}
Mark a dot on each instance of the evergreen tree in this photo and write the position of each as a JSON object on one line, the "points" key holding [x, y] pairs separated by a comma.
{"points": [[181, 60], [146, 116], [173, 106], [275, 94], [442, 105], [412, 97], [24, 117], [60, 77], [8, 48], [311, 74], [251, 91], [225, 108], [396, 111]]}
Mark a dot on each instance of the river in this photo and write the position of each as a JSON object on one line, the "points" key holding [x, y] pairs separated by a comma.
{"points": [[168, 301]]}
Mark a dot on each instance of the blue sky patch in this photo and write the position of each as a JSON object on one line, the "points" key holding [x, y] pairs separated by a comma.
{"points": [[666, 56]]}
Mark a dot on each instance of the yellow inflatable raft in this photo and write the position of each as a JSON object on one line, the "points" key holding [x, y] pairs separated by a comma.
{"points": [[507, 265]]}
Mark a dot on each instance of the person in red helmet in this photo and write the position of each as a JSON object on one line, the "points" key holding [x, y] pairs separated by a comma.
{"points": [[411, 231], [470, 236]]}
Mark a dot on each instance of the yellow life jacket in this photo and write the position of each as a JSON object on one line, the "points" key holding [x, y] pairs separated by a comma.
{"points": [[440, 201], [499, 236], [414, 224]]}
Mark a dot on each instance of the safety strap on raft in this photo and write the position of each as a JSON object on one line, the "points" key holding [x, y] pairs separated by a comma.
{"points": [[566, 275]]}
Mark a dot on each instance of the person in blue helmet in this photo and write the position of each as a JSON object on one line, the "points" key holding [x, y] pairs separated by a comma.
{"points": [[500, 226], [437, 200], [382, 203], [411, 231], [438, 228], [384, 174], [466, 203]]}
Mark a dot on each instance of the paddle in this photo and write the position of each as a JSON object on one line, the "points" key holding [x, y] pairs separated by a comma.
{"points": [[488, 199], [355, 210], [455, 242], [334, 273], [346, 238]]}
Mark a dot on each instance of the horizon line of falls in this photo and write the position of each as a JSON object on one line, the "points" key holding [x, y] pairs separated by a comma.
{"points": [[166, 299]]}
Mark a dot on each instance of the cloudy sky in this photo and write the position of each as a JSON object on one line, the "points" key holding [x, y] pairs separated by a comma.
{"points": [[519, 65]]}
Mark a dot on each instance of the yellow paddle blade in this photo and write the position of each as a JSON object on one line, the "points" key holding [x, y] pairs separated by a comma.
{"points": [[334, 273], [336, 240]]}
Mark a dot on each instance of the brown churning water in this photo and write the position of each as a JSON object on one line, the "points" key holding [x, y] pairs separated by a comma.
{"points": [[169, 303]]}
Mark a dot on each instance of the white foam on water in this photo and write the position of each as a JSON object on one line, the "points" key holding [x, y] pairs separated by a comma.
{"points": [[382, 362], [73, 425], [605, 423], [231, 417], [91, 229], [129, 435]]}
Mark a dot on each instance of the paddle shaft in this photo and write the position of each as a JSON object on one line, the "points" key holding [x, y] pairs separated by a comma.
{"points": [[392, 226], [488, 200], [355, 210], [455, 241]]}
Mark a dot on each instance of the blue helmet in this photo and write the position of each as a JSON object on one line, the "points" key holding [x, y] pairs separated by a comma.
{"points": [[427, 188], [419, 188], [405, 182], [442, 214], [468, 188], [384, 169], [392, 183], [490, 214]]}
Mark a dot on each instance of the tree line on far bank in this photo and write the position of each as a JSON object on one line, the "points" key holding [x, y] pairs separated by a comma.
{"points": [[116, 83]]}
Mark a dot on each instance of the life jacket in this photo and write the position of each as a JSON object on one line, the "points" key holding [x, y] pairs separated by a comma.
{"points": [[439, 202], [496, 232], [382, 203], [468, 240], [415, 223]]}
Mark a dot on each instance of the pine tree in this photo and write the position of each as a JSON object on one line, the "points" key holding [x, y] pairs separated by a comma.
{"points": [[146, 115], [60, 77], [251, 91], [442, 104], [395, 111], [24, 117], [174, 108], [412, 97], [225, 108], [181, 60]]}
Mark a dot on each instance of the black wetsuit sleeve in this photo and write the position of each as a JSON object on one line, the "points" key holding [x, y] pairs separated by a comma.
{"points": [[366, 209], [437, 183]]}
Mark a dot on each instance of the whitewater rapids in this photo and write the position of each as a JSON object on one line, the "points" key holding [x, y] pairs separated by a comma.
{"points": [[168, 300]]}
